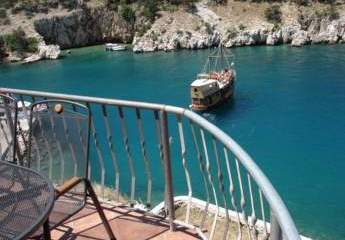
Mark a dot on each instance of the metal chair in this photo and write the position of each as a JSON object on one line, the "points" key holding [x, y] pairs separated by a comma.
{"points": [[8, 120], [59, 148]]}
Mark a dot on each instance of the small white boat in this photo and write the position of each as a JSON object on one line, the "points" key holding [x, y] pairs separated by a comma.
{"points": [[114, 47]]}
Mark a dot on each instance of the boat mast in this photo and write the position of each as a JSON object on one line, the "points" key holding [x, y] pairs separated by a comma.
{"points": [[218, 60]]}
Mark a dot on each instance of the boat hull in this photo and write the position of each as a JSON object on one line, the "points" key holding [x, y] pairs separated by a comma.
{"points": [[214, 100]]}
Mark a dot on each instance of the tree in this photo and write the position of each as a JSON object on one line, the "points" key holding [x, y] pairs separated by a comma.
{"points": [[17, 41], [150, 9], [273, 14], [2, 49], [128, 14]]}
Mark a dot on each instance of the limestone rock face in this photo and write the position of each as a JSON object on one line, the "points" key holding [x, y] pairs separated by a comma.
{"points": [[84, 27], [288, 32], [309, 29], [244, 38], [152, 41], [330, 31], [44, 52], [49, 51], [98, 25], [300, 38], [32, 58], [274, 38], [14, 57]]}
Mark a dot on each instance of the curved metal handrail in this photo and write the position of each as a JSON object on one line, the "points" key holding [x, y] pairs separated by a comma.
{"points": [[277, 206]]}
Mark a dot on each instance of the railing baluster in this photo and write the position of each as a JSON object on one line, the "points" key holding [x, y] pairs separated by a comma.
{"points": [[203, 174], [61, 154], [276, 233], [252, 218], [70, 145], [167, 170], [160, 148], [112, 152], [184, 163], [243, 199], [129, 155], [81, 140], [8, 142], [10, 124], [25, 110], [46, 143], [221, 186], [38, 156], [265, 236], [145, 157], [202, 170], [210, 179], [159, 136], [60, 151], [232, 193], [98, 150], [34, 142]]}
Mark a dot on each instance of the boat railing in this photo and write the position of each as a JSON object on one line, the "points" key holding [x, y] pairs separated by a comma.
{"points": [[170, 161]]}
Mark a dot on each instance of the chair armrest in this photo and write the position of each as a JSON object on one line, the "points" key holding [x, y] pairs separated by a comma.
{"points": [[67, 185]]}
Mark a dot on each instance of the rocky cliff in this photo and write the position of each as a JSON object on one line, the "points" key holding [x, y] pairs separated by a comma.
{"points": [[239, 24], [201, 25], [85, 27]]}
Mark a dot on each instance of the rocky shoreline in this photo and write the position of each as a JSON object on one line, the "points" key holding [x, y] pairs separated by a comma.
{"points": [[204, 27], [317, 30], [330, 32]]}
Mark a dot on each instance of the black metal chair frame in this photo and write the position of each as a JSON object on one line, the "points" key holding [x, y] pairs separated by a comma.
{"points": [[74, 181], [13, 125]]}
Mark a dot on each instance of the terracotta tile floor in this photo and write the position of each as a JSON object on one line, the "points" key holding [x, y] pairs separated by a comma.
{"points": [[126, 225]]}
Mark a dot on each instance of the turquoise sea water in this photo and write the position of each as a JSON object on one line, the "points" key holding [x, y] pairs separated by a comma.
{"points": [[288, 112]]}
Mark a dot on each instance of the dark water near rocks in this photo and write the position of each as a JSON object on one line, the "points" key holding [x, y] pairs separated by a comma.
{"points": [[288, 112]]}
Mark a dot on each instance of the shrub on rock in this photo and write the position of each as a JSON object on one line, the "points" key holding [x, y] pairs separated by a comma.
{"points": [[273, 14], [127, 14], [18, 42]]}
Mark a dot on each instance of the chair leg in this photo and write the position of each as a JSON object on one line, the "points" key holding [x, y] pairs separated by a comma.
{"points": [[99, 209], [46, 230]]}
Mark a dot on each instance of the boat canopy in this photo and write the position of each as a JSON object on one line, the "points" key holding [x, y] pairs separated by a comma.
{"points": [[203, 82]]}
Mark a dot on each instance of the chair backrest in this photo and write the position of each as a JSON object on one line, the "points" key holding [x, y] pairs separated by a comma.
{"points": [[8, 120], [59, 139]]}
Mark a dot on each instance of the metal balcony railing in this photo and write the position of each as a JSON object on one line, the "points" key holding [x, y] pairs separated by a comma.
{"points": [[170, 161]]}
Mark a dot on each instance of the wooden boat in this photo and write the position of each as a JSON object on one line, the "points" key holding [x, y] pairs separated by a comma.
{"points": [[216, 83]]}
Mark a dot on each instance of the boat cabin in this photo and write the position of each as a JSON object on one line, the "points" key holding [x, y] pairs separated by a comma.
{"points": [[203, 88]]}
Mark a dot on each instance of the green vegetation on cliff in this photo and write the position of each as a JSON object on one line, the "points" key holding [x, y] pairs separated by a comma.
{"points": [[128, 14], [17, 42], [2, 50], [150, 8], [31, 7], [273, 14]]}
